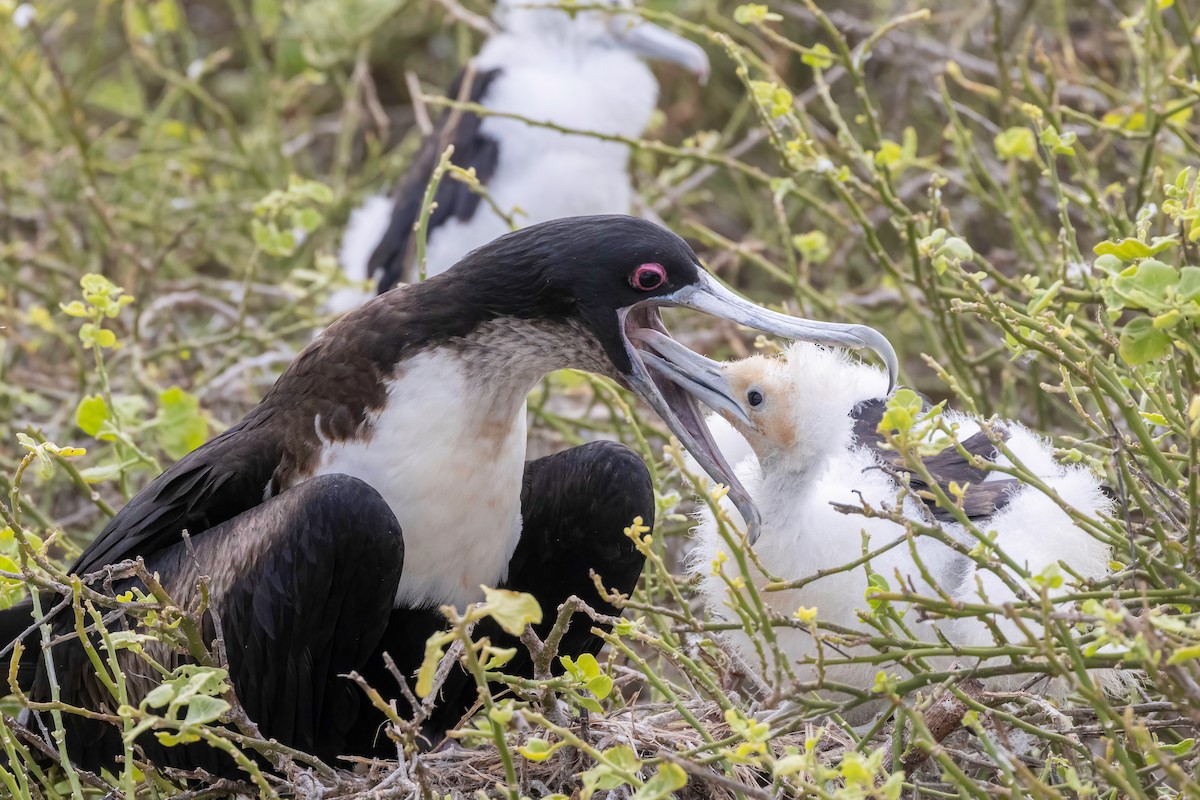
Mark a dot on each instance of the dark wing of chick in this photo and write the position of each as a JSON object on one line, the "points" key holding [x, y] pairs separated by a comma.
{"points": [[981, 500]]}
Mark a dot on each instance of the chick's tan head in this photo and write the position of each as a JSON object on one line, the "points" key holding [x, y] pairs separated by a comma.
{"points": [[799, 404], [763, 387]]}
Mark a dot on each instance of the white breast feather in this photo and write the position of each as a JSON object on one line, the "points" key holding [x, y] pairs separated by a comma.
{"points": [[454, 486]]}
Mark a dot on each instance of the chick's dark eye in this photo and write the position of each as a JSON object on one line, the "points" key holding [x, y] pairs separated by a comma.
{"points": [[755, 398], [648, 277]]}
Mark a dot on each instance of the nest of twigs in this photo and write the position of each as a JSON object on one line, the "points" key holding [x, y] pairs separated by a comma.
{"points": [[657, 732]]}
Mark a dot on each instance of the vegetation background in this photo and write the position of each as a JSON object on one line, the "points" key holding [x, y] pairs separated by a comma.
{"points": [[1007, 189]]}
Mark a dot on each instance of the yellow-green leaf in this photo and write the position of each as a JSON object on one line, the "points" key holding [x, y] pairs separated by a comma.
{"points": [[512, 610], [91, 414]]}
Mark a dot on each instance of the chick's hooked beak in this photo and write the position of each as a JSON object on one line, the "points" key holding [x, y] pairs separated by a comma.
{"points": [[681, 377]]}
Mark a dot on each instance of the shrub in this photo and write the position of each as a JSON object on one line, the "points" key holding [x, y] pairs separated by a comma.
{"points": [[1010, 194]]}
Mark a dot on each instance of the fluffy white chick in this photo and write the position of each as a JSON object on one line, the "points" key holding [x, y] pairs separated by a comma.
{"points": [[808, 420]]}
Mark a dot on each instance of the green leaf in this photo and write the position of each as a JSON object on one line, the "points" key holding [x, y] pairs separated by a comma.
{"points": [[91, 414], [1142, 343], [753, 14], [434, 647], [818, 57], [589, 703], [1058, 144], [1188, 288], [1164, 322], [600, 686], [159, 696], [1148, 285], [669, 779], [1018, 143], [903, 408], [175, 739], [790, 765], [536, 749], [876, 584], [307, 219], [812, 246], [1130, 249], [262, 235], [511, 610], [74, 309], [856, 769], [180, 425], [499, 656], [607, 774], [589, 667], [1190, 653], [203, 709], [1180, 748]]}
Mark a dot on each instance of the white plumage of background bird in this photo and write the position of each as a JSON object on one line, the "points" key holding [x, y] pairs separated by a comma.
{"points": [[806, 442], [581, 71]]}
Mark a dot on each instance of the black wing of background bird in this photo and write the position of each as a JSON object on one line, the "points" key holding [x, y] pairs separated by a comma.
{"points": [[980, 500], [472, 148]]}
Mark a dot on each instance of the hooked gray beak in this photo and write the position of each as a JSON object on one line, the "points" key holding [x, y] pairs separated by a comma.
{"points": [[648, 40], [709, 296], [683, 377]]}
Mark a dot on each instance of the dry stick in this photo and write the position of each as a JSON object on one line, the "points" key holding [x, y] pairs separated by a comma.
{"points": [[39, 744], [942, 718], [715, 778], [420, 108], [469, 18]]}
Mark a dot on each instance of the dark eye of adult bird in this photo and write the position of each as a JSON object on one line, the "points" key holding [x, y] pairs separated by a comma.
{"points": [[578, 69], [384, 475]]}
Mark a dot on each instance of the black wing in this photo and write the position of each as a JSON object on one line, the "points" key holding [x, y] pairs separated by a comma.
{"points": [[981, 499], [208, 486], [454, 200], [310, 609]]}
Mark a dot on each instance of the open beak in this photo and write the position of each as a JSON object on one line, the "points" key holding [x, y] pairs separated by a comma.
{"points": [[649, 41], [682, 377]]}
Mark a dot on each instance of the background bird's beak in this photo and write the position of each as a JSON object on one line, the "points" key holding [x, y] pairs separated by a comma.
{"points": [[650, 41], [681, 377]]}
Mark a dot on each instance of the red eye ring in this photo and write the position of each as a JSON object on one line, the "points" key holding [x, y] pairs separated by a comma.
{"points": [[648, 277]]}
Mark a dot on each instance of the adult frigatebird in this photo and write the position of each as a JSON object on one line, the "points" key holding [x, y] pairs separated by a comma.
{"points": [[580, 70], [804, 432], [383, 475]]}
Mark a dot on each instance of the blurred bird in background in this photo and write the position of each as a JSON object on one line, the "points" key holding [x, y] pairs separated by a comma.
{"points": [[581, 71]]}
